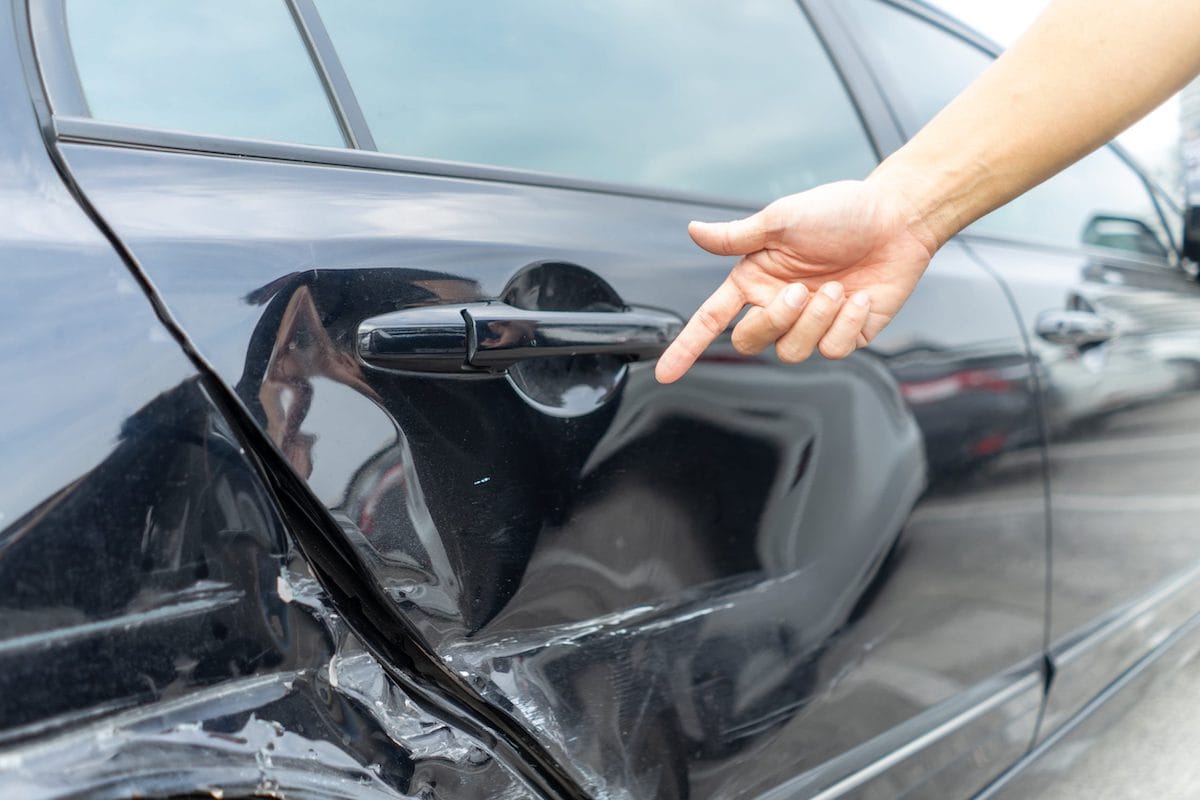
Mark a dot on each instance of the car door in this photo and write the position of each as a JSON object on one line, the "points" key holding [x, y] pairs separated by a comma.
{"points": [[1113, 320], [1117, 336], [368, 218]]}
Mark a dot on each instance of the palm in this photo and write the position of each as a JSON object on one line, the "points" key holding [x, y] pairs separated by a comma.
{"points": [[848, 234], [839, 232]]}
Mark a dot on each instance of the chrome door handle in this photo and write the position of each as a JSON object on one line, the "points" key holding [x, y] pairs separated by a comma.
{"points": [[1074, 327], [494, 336]]}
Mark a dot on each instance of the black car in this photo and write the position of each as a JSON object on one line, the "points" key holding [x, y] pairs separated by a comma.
{"points": [[332, 463]]}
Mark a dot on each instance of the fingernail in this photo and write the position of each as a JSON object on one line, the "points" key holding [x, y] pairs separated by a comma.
{"points": [[795, 295], [832, 290], [861, 299]]}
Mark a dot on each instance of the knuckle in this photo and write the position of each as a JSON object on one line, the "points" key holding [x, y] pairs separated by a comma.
{"points": [[835, 349], [820, 312], [705, 319], [770, 219], [779, 319], [745, 343], [690, 350], [792, 352]]}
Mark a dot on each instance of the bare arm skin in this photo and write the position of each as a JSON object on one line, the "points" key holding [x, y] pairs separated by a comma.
{"points": [[827, 269]]}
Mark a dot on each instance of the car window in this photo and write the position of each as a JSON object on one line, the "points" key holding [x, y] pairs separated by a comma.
{"points": [[1099, 202], [732, 99], [926, 67], [225, 67]]}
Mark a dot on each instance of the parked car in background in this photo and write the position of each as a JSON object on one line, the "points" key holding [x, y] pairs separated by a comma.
{"points": [[332, 463]]}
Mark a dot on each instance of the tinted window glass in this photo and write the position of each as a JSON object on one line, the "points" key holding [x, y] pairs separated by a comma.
{"points": [[925, 65], [1099, 202], [731, 99], [225, 67]]}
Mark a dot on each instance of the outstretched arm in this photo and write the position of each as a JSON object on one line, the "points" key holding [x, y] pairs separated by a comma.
{"points": [[828, 268]]}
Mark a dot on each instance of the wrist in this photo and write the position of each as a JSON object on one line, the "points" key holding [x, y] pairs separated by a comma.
{"points": [[931, 196]]}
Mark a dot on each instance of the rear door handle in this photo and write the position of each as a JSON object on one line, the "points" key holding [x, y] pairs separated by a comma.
{"points": [[493, 336], [1076, 328]]}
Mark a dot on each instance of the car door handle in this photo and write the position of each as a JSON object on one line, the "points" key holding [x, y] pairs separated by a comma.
{"points": [[1076, 328], [494, 336]]}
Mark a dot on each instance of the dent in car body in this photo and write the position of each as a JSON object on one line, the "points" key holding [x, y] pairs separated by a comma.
{"points": [[158, 632], [598, 577], [482, 545]]}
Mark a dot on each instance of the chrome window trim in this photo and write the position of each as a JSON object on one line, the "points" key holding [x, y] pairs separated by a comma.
{"points": [[333, 76], [47, 25], [85, 130]]}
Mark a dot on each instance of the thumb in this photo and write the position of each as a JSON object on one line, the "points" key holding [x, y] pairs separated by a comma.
{"points": [[736, 238]]}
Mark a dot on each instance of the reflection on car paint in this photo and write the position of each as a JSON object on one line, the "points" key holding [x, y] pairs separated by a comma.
{"points": [[1119, 413], [763, 578], [192, 651], [602, 578], [159, 633]]}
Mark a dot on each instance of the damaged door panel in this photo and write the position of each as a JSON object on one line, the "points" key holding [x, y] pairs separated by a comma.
{"points": [[160, 634], [173, 641], [600, 577], [762, 578]]}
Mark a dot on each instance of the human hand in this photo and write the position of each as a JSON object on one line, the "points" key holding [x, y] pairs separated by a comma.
{"points": [[824, 269]]}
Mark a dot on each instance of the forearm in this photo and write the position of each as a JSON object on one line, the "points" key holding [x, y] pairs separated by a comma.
{"points": [[1080, 75]]}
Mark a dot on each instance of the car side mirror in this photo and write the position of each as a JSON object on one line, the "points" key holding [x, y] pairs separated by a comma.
{"points": [[1129, 234]]}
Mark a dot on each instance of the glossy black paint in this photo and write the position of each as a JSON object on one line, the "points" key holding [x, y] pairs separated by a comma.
{"points": [[1120, 411], [1118, 400], [160, 623], [599, 576], [159, 632], [498, 336], [776, 580], [603, 573]]}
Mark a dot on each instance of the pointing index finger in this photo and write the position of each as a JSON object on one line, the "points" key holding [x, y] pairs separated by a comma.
{"points": [[709, 322]]}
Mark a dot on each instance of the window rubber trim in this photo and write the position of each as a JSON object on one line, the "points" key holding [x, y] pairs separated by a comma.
{"points": [[857, 80], [332, 74], [47, 21]]}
